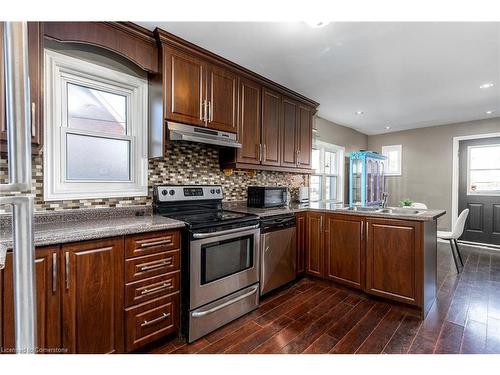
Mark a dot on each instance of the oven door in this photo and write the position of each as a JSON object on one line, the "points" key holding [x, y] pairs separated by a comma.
{"points": [[222, 263]]}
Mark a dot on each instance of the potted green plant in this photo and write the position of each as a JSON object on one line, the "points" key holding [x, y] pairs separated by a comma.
{"points": [[406, 202]]}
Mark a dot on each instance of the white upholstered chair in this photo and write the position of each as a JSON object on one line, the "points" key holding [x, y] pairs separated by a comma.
{"points": [[455, 234]]}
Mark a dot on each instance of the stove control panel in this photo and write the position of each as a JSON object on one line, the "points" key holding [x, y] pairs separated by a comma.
{"points": [[173, 193]]}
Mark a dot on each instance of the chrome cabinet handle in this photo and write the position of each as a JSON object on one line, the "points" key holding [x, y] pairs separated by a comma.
{"points": [[153, 290], [157, 265], [210, 112], [205, 116], [155, 320], [260, 152], [54, 272], [156, 243], [202, 106], [264, 152], [198, 314], [67, 270], [298, 157]]}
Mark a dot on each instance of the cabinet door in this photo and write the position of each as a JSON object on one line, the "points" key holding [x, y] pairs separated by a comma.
{"points": [[271, 140], [300, 219], [47, 300], [304, 136], [314, 244], [289, 133], [35, 57], [92, 297], [393, 259], [249, 123], [223, 95], [344, 248], [185, 87]]}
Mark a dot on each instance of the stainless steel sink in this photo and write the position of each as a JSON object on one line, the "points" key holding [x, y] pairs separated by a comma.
{"points": [[400, 211], [365, 209]]}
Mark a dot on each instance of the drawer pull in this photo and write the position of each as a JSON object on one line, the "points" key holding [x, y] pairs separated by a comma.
{"points": [[161, 287], [156, 243], [157, 265], [155, 320]]}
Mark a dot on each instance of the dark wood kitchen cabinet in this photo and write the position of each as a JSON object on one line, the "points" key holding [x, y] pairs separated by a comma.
{"points": [[301, 227], [304, 136], [47, 301], [184, 87], [92, 296], [314, 244], [35, 61], [271, 127], [344, 248], [249, 129], [222, 99], [394, 259], [289, 133]]}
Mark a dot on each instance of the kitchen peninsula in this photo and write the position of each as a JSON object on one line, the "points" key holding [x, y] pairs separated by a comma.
{"points": [[389, 253]]}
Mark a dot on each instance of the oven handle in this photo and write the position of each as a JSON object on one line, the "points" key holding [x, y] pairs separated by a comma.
{"points": [[223, 232], [225, 304]]}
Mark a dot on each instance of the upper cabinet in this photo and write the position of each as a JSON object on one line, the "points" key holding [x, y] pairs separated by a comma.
{"points": [[271, 129], [249, 131], [184, 87], [35, 56], [222, 99]]}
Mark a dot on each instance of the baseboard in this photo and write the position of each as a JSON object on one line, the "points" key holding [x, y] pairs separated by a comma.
{"points": [[474, 244]]}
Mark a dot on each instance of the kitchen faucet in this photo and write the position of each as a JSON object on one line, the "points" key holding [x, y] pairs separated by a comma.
{"points": [[384, 199]]}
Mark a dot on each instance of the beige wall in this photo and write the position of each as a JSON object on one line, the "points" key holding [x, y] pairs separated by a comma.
{"points": [[339, 135], [427, 162]]}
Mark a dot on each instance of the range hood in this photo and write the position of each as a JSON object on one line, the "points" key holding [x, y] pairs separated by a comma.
{"points": [[181, 132]]}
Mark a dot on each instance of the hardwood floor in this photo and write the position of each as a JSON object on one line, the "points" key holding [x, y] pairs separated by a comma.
{"points": [[314, 316]]}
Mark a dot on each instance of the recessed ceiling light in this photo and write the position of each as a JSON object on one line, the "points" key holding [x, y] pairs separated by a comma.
{"points": [[486, 85], [490, 112], [317, 24], [359, 112], [387, 127]]}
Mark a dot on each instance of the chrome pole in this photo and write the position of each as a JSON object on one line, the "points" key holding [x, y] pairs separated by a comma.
{"points": [[19, 158]]}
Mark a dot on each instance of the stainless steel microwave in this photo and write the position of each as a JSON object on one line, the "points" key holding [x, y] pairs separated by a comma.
{"points": [[267, 196]]}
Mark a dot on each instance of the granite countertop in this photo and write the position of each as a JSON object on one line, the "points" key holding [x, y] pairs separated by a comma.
{"points": [[241, 206], [88, 224]]}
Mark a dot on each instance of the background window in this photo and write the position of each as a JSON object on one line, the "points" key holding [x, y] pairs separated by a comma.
{"points": [[326, 183], [484, 169], [394, 157]]}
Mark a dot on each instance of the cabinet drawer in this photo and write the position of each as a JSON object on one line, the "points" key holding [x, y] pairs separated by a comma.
{"points": [[153, 287], [151, 243], [151, 265], [151, 320]]}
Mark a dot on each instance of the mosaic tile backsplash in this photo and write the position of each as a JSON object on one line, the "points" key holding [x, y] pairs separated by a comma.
{"points": [[184, 163]]}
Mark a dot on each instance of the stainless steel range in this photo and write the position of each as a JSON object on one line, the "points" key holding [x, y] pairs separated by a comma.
{"points": [[220, 257]]}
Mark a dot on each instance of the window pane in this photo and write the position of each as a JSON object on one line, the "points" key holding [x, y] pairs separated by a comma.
{"points": [[315, 160], [331, 188], [486, 157], [96, 110], [95, 158], [315, 189], [487, 181], [330, 162]]}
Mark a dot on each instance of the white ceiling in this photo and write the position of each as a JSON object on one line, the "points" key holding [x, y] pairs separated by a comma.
{"points": [[402, 75]]}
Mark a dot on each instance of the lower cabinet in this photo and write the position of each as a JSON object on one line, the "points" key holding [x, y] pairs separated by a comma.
{"points": [[383, 257], [92, 296], [344, 248], [300, 220], [47, 300], [314, 244], [394, 259], [84, 302]]}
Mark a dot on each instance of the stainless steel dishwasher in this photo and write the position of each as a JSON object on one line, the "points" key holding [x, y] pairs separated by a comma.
{"points": [[278, 252]]}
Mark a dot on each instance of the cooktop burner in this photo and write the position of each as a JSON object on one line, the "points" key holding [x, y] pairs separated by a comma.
{"points": [[200, 207]]}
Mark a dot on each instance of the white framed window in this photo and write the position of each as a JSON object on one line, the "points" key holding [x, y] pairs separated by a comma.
{"points": [[327, 182], [483, 170], [394, 158], [95, 131]]}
